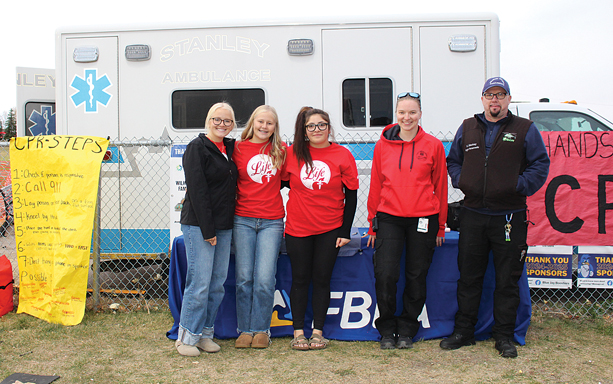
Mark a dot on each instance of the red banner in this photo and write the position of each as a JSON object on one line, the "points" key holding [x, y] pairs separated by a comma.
{"points": [[575, 206]]}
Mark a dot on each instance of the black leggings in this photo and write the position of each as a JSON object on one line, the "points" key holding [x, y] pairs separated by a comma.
{"points": [[312, 259], [395, 234]]}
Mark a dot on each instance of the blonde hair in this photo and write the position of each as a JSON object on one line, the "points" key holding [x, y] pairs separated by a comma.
{"points": [[277, 149], [214, 108]]}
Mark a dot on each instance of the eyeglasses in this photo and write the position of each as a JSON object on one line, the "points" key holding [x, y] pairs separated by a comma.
{"points": [[320, 126], [226, 122], [499, 95], [414, 95]]}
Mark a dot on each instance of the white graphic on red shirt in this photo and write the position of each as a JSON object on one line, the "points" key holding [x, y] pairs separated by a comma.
{"points": [[317, 176], [260, 168]]}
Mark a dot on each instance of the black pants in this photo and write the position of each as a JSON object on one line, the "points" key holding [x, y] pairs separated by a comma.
{"points": [[394, 235], [480, 234], [312, 260]]}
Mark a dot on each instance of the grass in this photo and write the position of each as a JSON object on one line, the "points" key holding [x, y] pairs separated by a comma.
{"points": [[132, 348]]}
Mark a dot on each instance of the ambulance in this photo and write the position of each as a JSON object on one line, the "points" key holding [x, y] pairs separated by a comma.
{"points": [[153, 85]]}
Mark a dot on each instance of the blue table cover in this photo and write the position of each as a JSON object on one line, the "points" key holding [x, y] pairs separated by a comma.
{"points": [[353, 303]]}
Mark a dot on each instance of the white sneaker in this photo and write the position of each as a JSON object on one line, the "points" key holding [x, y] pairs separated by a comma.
{"points": [[186, 350], [208, 345]]}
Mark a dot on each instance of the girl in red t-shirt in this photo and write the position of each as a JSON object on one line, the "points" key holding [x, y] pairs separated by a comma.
{"points": [[258, 225], [323, 180]]}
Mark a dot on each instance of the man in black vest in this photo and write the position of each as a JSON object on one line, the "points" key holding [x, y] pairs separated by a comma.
{"points": [[496, 159]]}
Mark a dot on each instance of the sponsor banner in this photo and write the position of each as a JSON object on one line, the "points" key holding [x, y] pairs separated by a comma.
{"points": [[550, 266], [575, 206], [55, 189], [595, 267], [177, 188]]}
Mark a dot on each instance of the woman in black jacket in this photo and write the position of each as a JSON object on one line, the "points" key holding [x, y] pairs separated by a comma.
{"points": [[206, 222]]}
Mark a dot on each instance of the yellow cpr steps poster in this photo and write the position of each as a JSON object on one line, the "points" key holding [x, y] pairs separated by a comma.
{"points": [[55, 186]]}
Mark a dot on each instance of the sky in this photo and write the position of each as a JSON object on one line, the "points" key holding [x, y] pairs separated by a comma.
{"points": [[555, 49]]}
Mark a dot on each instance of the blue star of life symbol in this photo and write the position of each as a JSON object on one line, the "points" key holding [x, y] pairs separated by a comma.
{"points": [[44, 121], [91, 90]]}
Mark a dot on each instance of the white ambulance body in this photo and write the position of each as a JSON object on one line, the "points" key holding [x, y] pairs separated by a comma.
{"points": [[155, 82], [158, 82]]}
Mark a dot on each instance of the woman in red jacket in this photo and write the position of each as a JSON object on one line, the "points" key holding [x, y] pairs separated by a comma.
{"points": [[323, 181], [407, 207]]}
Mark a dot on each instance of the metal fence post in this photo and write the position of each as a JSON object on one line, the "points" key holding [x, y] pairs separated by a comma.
{"points": [[96, 249]]}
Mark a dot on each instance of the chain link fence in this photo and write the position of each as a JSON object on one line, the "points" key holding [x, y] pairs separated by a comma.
{"points": [[130, 258], [131, 242]]}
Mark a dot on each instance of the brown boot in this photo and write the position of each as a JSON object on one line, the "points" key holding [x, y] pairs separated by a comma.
{"points": [[243, 341], [261, 340]]}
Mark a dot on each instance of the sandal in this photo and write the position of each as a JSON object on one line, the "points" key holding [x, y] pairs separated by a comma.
{"points": [[300, 343], [318, 342]]}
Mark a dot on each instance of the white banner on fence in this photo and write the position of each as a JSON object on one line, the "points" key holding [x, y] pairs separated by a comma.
{"points": [[177, 189], [550, 266], [595, 267]]}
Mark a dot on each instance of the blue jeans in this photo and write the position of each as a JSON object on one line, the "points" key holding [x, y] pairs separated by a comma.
{"points": [[257, 243], [207, 269]]}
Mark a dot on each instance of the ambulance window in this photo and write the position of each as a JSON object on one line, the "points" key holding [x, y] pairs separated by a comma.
{"points": [[373, 98], [381, 108], [354, 103], [39, 118], [567, 121], [189, 107]]}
